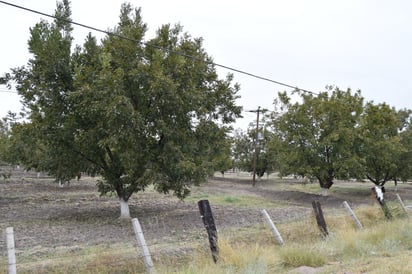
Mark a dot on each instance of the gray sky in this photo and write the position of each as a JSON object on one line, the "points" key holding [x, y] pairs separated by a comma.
{"points": [[361, 44]]}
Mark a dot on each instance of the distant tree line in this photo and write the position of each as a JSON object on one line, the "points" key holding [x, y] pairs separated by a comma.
{"points": [[328, 136]]}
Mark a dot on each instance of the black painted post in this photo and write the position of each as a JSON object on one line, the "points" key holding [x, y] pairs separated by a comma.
{"points": [[208, 221], [319, 218]]}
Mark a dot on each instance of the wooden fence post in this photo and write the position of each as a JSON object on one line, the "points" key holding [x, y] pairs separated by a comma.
{"points": [[142, 242], [11, 250], [352, 214], [208, 221], [319, 218], [275, 231]]}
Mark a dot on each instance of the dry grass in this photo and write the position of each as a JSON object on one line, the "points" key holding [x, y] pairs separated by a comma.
{"points": [[381, 247]]}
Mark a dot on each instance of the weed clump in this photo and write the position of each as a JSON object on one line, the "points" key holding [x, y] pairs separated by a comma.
{"points": [[295, 257]]}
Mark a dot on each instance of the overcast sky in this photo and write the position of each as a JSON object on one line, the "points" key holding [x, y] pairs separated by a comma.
{"points": [[364, 45]]}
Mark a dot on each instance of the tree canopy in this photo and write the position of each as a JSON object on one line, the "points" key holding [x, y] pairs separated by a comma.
{"points": [[135, 112], [250, 146], [315, 137], [333, 135], [385, 147]]}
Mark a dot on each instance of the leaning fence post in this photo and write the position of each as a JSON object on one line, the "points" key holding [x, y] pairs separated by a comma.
{"points": [[275, 231], [401, 202], [352, 214], [208, 221], [142, 242], [11, 250], [319, 218]]}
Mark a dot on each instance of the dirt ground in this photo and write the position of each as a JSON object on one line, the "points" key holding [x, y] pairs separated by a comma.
{"points": [[46, 216]]}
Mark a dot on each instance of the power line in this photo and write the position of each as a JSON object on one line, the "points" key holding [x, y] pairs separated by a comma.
{"points": [[6, 90], [160, 48]]}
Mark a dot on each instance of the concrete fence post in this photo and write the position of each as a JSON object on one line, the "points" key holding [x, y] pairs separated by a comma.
{"points": [[275, 231], [11, 250], [352, 214], [401, 202], [142, 243]]}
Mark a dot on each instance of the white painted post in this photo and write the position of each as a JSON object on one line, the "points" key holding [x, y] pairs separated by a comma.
{"points": [[401, 202], [11, 250], [273, 227], [142, 242], [352, 214]]}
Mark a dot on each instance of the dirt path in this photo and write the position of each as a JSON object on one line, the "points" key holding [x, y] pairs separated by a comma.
{"points": [[361, 195]]}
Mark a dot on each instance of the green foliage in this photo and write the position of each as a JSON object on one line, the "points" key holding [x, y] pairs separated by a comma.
{"points": [[3, 140], [334, 136], [316, 137], [384, 149], [405, 157], [214, 142], [45, 142], [136, 113], [243, 150]]}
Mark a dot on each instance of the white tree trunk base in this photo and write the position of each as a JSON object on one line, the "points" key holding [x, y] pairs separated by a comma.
{"points": [[324, 192], [124, 209]]}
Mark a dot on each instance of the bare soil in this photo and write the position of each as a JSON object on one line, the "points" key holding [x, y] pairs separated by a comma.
{"points": [[46, 216]]}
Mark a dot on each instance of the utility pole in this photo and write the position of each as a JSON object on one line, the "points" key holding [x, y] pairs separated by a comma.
{"points": [[256, 142]]}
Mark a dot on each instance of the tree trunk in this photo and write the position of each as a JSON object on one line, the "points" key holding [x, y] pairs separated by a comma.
{"points": [[325, 184], [124, 209]]}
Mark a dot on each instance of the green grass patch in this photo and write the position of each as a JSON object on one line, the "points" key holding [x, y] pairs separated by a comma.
{"points": [[307, 188], [197, 196], [230, 199], [242, 201]]}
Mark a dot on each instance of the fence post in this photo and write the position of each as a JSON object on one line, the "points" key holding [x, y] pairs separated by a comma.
{"points": [[275, 231], [319, 218], [142, 242], [401, 202], [208, 221], [352, 214], [11, 250]]}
